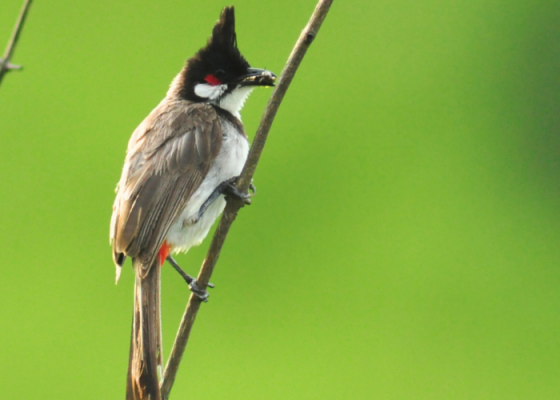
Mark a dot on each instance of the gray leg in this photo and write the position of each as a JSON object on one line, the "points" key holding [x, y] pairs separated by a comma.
{"points": [[191, 280]]}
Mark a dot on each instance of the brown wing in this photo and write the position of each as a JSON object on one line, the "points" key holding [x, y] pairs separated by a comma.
{"points": [[168, 156]]}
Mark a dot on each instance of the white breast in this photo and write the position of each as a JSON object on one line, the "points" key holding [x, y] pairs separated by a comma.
{"points": [[183, 233]]}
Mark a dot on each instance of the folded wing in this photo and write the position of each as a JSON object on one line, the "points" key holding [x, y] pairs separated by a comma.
{"points": [[168, 157]]}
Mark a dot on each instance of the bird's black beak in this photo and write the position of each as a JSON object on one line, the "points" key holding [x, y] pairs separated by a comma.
{"points": [[258, 77]]}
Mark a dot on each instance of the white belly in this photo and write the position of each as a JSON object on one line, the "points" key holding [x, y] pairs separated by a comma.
{"points": [[183, 233]]}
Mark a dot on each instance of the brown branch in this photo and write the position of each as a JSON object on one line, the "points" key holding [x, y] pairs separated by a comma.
{"points": [[233, 205], [5, 64]]}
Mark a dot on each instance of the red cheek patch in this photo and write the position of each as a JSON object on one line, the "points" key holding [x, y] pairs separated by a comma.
{"points": [[212, 80]]}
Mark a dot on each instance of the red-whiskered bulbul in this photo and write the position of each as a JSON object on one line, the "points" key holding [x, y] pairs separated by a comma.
{"points": [[181, 161]]}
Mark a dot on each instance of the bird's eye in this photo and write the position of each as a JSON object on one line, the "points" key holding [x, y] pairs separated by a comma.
{"points": [[220, 73]]}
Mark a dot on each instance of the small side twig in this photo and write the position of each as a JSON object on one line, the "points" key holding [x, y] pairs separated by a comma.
{"points": [[233, 205], [5, 64]]}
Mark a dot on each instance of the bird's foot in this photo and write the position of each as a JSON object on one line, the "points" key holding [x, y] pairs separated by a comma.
{"points": [[229, 188], [198, 292], [191, 281]]}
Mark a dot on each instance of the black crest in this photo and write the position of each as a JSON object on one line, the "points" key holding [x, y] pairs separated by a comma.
{"points": [[220, 57], [223, 34]]}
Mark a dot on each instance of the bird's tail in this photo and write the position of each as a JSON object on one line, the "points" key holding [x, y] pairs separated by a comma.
{"points": [[145, 360]]}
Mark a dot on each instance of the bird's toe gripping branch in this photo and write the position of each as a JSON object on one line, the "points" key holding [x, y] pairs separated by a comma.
{"points": [[191, 281], [198, 292], [229, 188]]}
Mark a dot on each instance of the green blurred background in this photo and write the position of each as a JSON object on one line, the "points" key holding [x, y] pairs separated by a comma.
{"points": [[405, 240]]}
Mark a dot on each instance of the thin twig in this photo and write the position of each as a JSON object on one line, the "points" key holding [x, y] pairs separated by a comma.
{"points": [[233, 205], [5, 64]]}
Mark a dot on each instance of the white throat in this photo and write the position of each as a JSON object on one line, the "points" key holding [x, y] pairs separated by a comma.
{"points": [[232, 102]]}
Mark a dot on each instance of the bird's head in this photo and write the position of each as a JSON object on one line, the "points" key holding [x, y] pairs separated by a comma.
{"points": [[218, 73]]}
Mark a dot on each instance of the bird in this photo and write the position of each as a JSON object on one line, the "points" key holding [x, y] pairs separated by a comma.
{"points": [[181, 163]]}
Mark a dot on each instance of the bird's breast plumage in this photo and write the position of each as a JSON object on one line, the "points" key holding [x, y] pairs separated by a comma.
{"points": [[188, 230]]}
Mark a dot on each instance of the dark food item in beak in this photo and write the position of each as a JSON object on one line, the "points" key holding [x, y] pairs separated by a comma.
{"points": [[258, 77]]}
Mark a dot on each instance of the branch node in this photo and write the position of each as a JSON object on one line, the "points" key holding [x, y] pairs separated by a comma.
{"points": [[13, 66], [309, 37], [5, 64]]}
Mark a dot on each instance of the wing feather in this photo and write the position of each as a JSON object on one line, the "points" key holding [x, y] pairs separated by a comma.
{"points": [[168, 157]]}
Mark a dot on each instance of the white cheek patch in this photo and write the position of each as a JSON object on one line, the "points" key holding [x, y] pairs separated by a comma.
{"points": [[210, 92]]}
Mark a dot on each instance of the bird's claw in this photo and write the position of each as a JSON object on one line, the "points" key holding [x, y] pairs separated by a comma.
{"points": [[230, 189], [198, 292], [191, 280]]}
